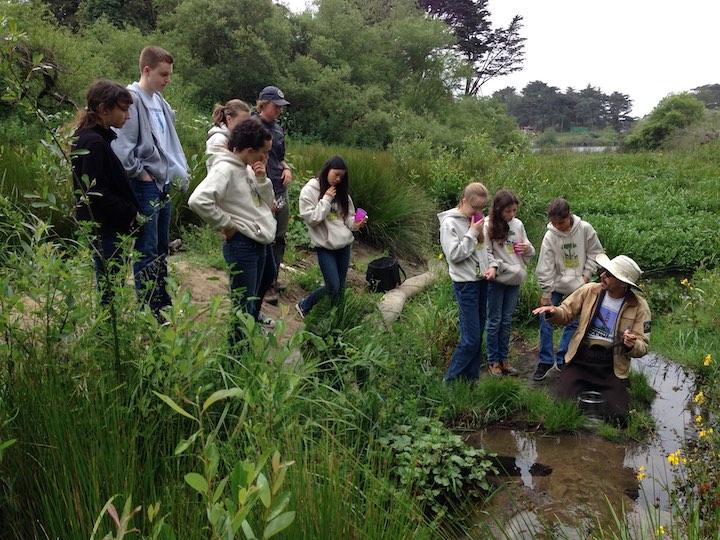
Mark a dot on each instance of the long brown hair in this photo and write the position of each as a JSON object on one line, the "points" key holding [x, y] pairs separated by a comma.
{"points": [[231, 109], [102, 93], [499, 228]]}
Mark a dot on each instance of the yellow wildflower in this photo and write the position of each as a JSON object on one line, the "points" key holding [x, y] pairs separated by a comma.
{"points": [[641, 473], [708, 360], [675, 458], [684, 282], [699, 398], [698, 419], [702, 433], [660, 531], [440, 257]]}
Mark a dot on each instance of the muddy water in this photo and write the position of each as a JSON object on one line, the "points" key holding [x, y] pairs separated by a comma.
{"points": [[566, 482]]}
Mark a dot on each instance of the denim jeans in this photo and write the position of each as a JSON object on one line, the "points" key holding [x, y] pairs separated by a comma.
{"points": [[282, 217], [472, 304], [334, 265], [546, 356], [502, 300], [246, 260], [150, 269], [108, 263]]}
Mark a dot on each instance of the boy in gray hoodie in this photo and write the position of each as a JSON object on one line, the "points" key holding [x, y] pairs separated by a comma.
{"points": [[470, 266], [567, 261], [150, 151]]}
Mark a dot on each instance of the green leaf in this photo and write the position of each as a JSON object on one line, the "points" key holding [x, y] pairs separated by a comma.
{"points": [[174, 406], [279, 524], [219, 489], [249, 534], [278, 506], [220, 395], [264, 489], [184, 444], [197, 482]]}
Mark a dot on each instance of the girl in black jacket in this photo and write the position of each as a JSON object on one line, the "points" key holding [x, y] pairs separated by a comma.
{"points": [[102, 189]]}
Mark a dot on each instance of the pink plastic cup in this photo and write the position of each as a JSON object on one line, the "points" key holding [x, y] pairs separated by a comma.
{"points": [[517, 248], [477, 217], [360, 214]]}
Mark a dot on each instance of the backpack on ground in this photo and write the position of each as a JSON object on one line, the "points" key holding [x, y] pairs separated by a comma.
{"points": [[383, 274]]}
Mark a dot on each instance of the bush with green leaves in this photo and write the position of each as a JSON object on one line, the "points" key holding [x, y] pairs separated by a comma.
{"points": [[437, 465], [672, 113]]}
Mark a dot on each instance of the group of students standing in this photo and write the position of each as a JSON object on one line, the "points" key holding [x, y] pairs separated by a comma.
{"points": [[606, 323], [127, 154]]}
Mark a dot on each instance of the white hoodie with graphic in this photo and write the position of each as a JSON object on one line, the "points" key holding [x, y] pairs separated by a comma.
{"points": [[567, 257], [326, 227], [467, 258], [232, 196], [512, 268]]}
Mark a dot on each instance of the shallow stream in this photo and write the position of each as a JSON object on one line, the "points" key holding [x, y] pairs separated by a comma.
{"points": [[567, 485]]}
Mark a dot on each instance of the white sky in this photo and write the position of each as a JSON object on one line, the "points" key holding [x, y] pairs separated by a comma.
{"points": [[644, 48]]}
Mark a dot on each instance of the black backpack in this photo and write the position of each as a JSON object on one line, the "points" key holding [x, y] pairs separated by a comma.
{"points": [[383, 274]]}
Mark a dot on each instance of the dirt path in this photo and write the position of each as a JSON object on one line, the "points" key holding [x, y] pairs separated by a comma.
{"points": [[204, 282]]}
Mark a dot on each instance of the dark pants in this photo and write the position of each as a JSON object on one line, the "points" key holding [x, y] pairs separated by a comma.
{"points": [[247, 261], [150, 269], [109, 265], [592, 369], [282, 217], [546, 355], [334, 265], [472, 305]]}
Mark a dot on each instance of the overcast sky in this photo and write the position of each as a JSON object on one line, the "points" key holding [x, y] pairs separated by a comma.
{"points": [[644, 48]]}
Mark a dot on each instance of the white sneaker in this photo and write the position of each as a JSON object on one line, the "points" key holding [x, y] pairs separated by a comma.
{"points": [[266, 321], [299, 310]]}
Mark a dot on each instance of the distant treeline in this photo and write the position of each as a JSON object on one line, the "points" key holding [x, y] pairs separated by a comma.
{"points": [[540, 106]]}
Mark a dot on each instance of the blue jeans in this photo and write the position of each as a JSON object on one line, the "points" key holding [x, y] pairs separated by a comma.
{"points": [[108, 262], [150, 269], [246, 260], [472, 305], [334, 265], [502, 300], [546, 336]]}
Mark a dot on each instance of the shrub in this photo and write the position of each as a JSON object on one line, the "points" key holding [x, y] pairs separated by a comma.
{"points": [[672, 113], [437, 465]]}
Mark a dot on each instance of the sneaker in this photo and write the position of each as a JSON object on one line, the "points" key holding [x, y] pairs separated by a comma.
{"points": [[495, 370], [266, 321], [559, 367], [272, 298], [542, 371], [507, 369], [299, 310]]}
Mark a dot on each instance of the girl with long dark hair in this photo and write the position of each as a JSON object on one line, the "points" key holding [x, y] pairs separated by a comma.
{"points": [[328, 211], [103, 191]]}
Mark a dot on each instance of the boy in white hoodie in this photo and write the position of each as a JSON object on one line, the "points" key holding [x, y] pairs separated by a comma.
{"points": [[470, 266], [567, 261], [237, 200]]}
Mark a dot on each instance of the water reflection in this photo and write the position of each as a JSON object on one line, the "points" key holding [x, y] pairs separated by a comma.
{"points": [[591, 477]]}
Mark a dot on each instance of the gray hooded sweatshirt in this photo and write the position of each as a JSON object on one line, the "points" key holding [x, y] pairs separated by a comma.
{"points": [[232, 196], [467, 258], [567, 257], [512, 268], [137, 146]]}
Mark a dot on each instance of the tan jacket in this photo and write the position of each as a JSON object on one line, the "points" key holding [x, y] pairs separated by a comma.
{"points": [[634, 315]]}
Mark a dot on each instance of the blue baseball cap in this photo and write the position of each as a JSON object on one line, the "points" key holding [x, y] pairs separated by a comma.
{"points": [[274, 94]]}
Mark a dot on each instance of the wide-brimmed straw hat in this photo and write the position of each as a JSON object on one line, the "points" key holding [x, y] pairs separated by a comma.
{"points": [[622, 267]]}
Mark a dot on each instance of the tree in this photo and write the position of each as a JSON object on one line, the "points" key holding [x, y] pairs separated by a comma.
{"points": [[489, 52], [618, 110], [709, 94]]}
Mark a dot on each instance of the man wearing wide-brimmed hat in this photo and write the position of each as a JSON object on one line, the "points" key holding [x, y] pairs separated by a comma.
{"points": [[613, 327]]}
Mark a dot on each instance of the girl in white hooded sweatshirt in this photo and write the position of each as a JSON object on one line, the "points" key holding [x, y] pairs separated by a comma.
{"points": [[470, 266], [237, 198], [225, 118], [511, 249], [329, 213]]}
